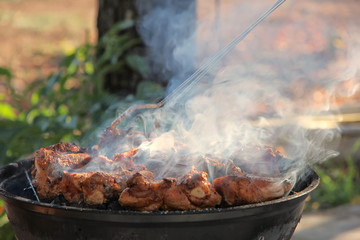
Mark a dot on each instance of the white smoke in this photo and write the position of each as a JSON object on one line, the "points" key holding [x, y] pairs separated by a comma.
{"points": [[259, 94]]}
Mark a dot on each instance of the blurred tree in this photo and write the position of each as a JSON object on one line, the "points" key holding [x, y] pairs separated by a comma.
{"points": [[111, 12]]}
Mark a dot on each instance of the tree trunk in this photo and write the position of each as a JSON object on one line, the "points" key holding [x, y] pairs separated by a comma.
{"points": [[122, 81], [113, 11]]}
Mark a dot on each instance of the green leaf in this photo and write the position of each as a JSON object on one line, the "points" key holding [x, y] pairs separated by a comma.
{"points": [[5, 72], [52, 80], [138, 64], [123, 25], [6, 232], [68, 60], [89, 68], [7, 111], [149, 90], [355, 147]]}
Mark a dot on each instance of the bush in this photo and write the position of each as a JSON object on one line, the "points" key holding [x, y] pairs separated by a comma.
{"points": [[71, 104], [339, 182]]}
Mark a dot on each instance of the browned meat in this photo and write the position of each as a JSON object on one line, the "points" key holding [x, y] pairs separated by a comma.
{"points": [[217, 167], [193, 191], [142, 193], [49, 163], [244, 188], [93, 187], [71, 186], [125, 160], [80, 177], [258, 160], [65, 147], [66, 169]]}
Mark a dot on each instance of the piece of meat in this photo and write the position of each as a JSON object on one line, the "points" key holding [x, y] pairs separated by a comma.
{"points": [[142, 193], [246, 189], [258, 160], [114, 141], [217, 167], [126, 160], [93, 187], [49, 164], [65, 168], [71, 186], [66, 148], [192, 191]]}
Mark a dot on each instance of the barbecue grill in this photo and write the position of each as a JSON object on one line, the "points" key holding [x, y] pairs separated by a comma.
{"points": [[31, 219]]}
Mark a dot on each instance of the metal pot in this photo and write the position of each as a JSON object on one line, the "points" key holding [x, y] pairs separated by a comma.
{"points": [[31, 219]]}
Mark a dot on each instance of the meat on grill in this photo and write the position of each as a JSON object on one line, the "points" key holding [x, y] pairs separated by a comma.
{"points": [[67, 169], [245, 189], [49, 164], [80, 177], [142, 193], [93, 187], [192, 191]]}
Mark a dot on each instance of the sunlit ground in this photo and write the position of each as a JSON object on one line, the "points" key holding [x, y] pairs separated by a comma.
{"points": [[36, 33]]}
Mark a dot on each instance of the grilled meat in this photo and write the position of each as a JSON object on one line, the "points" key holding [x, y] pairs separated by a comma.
{"points": [[142, 193], [245, 189], [93, 187], [64, 168], [49, 164], [192, 191], [95, 179], [126, 160], [258, 160]]}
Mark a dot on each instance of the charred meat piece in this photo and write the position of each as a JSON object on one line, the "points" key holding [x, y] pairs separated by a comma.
{"points": [[49, 164], [66, 148], [217, 167], [246, 189], [192, 191], [80, 177], [114, 141], [93, 187], [71, 186], [142, 193], [258, 160], [126, 160]]}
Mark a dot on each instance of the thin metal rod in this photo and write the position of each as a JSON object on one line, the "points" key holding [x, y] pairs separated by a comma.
{"points": [[204, 69], [198, 74], [32, 187]]}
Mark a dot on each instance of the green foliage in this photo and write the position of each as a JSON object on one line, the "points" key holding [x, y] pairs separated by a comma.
{"points": [[71, 104], [339, 182]]}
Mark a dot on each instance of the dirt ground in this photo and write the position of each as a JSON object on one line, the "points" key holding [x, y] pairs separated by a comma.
{"points": [[36, 33]]}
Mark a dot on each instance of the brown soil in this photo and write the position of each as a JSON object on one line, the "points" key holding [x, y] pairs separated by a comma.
{"points": [[36, 33]]}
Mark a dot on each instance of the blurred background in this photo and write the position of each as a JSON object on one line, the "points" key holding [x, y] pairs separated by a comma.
{"points": [[67, 68]]}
